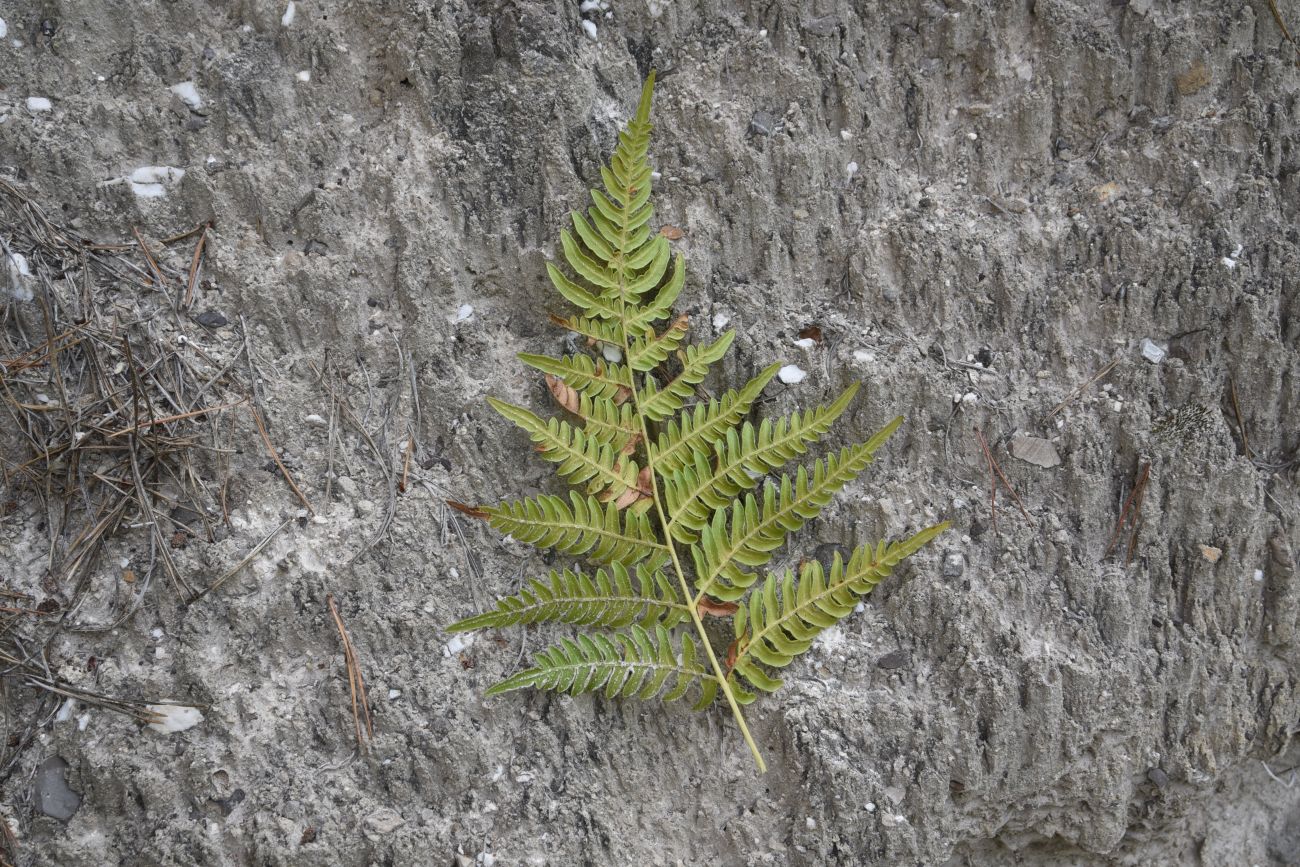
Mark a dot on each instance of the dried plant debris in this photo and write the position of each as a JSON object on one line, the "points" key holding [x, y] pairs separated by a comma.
{"points": [[119, 419], [1185, 425]]}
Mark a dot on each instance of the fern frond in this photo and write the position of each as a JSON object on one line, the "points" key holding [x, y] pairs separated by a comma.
{"points": [[590, 303], [648, 352], [583, 459], [658, 403], [611, 599], [596, 379], [696, 429], [581, 526], [740, 459], [746, 534], [661, 306], [773, 628], [631, 664], [595, 330]]}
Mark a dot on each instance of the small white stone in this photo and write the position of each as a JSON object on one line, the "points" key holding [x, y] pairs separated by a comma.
{"points": [[304, 75], [810, 823], [805, 343], [315, 420], [762, 34], [4, 29], [870, 807], [972, 136], [791, 374], [394, 694], [1259, 575], [175, 718], [863, 356], [589, 6], [290, 12], [720, 321], [188, 93], [38, 103], [1152, 351], [457, 644], [463, 312], [845, 134], [589, 27], [613, 354], [970, 398], [851, 169]]}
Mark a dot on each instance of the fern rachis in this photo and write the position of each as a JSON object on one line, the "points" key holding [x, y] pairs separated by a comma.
{"points": [[665, 506]]}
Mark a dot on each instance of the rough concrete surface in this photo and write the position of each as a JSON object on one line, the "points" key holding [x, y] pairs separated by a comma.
{"points": [[980, 203]]}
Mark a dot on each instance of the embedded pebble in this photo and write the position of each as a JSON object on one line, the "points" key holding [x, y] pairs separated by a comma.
{"points": [[1211, 553], [38, 103], [303, 75], [175, 718], [954, 564], [188, 93], [805, 343], [1152, 351], [589, 27], [720, 321], [792, 374], [457, 644], [290, 12], [1036, 451], [53, 796], [463, 312]]}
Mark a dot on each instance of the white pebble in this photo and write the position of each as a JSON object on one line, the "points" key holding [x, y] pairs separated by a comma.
{"points": [[463, 312], [394, 694], [4, 29], [457, 644], [810, 823], [589, 27], [315, 420], [289, 12], [972, 136], [870, 807], [805, 343], [613, 354], [589, 6], [720, 321], [1152, 351], [791, 374], [175, 718], [38, 103], [970, 398], [762, 34], [863, 356], [1259, 575], [304, 76], [851, 169], [188, 93], [845, 134]]}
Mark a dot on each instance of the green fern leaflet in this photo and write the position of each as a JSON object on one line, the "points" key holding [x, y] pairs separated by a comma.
{"points": [[677, 502]]}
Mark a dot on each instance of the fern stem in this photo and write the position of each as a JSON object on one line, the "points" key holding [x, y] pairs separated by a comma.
{"points": [[692, 603]]}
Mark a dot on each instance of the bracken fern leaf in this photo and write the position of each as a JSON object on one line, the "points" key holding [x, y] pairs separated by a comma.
{"points": [[663, 498]]}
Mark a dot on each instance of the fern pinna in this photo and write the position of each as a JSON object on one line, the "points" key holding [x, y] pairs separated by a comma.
{"points": [[668, 507]]}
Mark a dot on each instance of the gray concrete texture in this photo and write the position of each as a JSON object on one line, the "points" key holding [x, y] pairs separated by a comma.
{"points": [[980, 204]]}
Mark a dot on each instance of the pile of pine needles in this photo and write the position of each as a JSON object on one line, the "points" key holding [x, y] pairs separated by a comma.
{"points": [[118, 418]]}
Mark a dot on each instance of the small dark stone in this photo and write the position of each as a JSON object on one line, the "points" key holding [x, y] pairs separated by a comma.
{"points": [[48, 27], [187, 517], [211, 319], [320, 248], [308, 836], [762, 123], [54, 798], [894, 659], [926, 203], [195, 122], [1159, 777], [985, 356]]}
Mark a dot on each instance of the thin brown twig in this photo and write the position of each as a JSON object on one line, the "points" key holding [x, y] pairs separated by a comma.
{"points": [[1080, 389], [356, 684], [1241, 424], [275, 456], [1133, 503], [148, 257], [995, 468], [194, 268]]}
